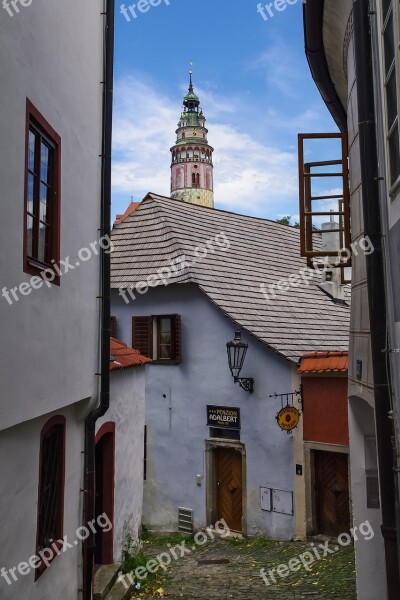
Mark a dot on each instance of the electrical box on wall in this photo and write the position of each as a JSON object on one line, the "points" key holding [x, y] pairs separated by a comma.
{"points": [[279, 501]]}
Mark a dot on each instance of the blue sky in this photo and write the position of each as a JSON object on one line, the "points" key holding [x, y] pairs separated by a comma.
{"points": [[256, 91]]}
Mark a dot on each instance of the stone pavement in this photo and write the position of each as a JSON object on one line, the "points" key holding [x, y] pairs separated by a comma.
{"points": [[237, 576]]}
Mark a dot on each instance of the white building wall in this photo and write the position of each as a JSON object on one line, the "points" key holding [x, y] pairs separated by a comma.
{"points": [[370, 562], [51, 53], [176, 400], [127, 412], [19, 459]]}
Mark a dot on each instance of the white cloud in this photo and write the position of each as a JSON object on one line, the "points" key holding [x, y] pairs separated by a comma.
{"points": [[250, 176]]}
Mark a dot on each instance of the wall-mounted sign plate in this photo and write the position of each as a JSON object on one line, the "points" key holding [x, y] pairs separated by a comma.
{"points": [[223, 417], [288, 418]]}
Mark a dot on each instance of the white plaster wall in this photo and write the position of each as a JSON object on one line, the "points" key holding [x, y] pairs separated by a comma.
{"points": [[176, 399], [127, 412], [19, 459], [370, 564], [51, 52], [370, 561]]}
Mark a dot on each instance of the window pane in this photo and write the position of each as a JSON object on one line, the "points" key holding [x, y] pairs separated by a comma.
{"points": [[29, 244], [391, 97], [165, 326], [165, 339], [31, 186], [389, 44], [43, 242], [394, 151], [31, 151], [43, 211], [44, 164], [165, 352]]}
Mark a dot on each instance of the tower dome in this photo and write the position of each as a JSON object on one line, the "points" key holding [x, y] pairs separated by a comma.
{"points": [[192, 166]]}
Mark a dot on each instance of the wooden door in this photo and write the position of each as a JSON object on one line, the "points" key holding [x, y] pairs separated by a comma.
{"points": [[229, 487], [331, 492]]}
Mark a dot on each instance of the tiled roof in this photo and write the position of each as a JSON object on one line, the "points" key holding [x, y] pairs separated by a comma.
{"points": [[296, 321], [324, 362], [124, 357], [131, 208]]}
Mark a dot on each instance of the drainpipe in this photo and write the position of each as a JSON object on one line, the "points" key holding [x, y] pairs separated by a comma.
{"points": [[376, 291], [105, 230]]}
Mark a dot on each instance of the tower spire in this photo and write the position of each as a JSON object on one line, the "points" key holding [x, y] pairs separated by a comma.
{"points": [[190, 80], [192, 166]]}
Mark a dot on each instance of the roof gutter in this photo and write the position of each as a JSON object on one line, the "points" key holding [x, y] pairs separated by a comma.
{"points": [[105, 325], [313, 18]]}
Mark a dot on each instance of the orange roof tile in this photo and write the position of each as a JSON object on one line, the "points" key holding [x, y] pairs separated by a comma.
{"points": [[124, 357], [131, 208], [324, 362]]}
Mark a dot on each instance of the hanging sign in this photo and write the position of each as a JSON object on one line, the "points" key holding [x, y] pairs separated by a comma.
{"points": [[223, 416], [288, 418]]}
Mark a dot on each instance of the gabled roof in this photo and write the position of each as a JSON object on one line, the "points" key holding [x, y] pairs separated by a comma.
{"points": [[131, 208], [324, 362], [124, 357], [164, 232]]}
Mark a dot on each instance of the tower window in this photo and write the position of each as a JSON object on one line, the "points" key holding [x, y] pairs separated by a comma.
{"points": [[196, 180]]}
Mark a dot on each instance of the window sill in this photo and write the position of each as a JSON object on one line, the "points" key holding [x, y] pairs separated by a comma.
{"points": [[157, 361], [36, 268], [41, 567]]}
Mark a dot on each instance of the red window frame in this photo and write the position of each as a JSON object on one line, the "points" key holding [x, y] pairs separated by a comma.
{"points": [[39, 125], [57, 421]]}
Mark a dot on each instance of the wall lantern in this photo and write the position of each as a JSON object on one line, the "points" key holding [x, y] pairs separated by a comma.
{"points": [[237, 349]]}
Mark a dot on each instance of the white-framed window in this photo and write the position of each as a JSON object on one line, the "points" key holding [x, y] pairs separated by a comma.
{"points": [[390, 51]]}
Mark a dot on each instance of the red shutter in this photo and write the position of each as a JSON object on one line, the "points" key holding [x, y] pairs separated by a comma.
{"points": [[177, 338], [142, 335]]}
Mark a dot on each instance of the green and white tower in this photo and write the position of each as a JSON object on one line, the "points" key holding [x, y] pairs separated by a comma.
{"points": [[192, 165]]}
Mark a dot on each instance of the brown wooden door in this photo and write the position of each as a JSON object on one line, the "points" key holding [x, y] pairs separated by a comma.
{"points": [[229, 487], [331, 492]]}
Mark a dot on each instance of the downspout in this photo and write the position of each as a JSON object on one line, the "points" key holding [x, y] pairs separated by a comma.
{"points": [[376, 290], [105, 230]]}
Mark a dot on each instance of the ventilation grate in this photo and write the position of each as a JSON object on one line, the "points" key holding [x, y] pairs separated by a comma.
{"points": [[185, 519]]}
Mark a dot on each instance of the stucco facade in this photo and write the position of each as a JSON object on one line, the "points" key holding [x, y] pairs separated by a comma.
{"points": [[179, 444], [49, 366], [339, 47], [126, 413]]}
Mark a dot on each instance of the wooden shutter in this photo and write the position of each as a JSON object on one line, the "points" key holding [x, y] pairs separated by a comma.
{"points": [[142, 335], [177, 338]]}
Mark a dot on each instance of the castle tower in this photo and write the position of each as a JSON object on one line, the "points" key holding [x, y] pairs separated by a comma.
{"points": [[192, 166]]}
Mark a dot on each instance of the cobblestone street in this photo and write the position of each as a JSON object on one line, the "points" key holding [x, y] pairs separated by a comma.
{"points": [[230, 569]]}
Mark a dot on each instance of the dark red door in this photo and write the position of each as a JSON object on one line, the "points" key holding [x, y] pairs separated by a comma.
{"points": [[331, 492]]}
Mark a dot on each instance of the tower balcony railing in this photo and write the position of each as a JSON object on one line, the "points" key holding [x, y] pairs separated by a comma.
{"points": [[199, 159]]}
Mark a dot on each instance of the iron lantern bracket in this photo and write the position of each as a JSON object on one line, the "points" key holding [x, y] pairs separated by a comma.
{"points": [[246, 383]]}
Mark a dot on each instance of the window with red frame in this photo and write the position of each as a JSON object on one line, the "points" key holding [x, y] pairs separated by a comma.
{"points": [[51, 486], [42, 195]]}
